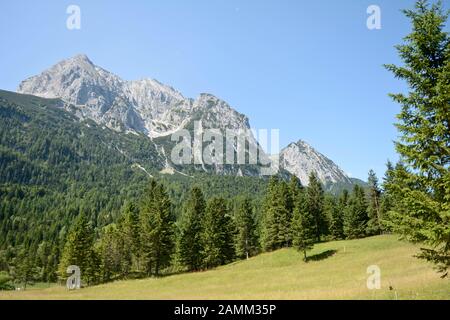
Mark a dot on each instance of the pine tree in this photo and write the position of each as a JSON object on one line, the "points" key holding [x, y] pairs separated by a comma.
{"points": [[314, 205], [355, 216], [190, 242], [217, 234], [129, 229], [424, 124], [157, 233], [303, 226], [387, 200], [79, 251], [273, 209], [335, 213], [374, 209], [284, 212], [111, 252], [245, 240], [294, 189], [25, 271]]}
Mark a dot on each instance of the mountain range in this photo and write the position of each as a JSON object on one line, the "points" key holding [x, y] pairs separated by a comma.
{"points": [[149, 108]]}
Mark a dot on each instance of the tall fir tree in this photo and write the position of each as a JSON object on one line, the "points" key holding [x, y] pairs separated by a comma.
{"points": [[217, 234], [285, 208], [423, 214], [129, 232], [295, 188], [374, 212], [355, 215], [245, 239], [273, 210], [79, 251], [111, 253], [146, 222], [314, 205], [304, 231], [335, 217], [387, 200], [157, 232], [25, 270], [190, 242]]}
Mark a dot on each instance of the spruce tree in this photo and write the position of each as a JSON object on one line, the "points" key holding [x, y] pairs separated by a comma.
{"points": [[217, 234], [129, 229], [25, 271], [245, 239], [111, 253], [387, 200], [424, 124], [335, 217], [284, 212], [273, 210], [374, 209], [303, 227], [79, 251], [190, 242], [294, 189], [355, 215], [314, 205], [157, 232]]}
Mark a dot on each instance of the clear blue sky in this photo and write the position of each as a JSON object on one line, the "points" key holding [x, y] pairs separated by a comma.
{"points": [[310, 68]]}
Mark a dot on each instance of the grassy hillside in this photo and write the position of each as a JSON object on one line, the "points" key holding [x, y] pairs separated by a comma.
{"points": [[337, 270]]}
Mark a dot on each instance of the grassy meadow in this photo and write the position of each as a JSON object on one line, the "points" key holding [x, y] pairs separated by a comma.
{"points": [[336, 270]]}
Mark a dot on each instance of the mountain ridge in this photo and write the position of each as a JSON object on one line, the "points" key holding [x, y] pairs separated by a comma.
{"points": [[157, 110]]}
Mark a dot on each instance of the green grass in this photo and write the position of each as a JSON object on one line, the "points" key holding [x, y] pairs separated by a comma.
{"points": [[284, 275]]}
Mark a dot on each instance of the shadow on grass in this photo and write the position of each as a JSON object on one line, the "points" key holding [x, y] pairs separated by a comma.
{"points": [[321, 256]]}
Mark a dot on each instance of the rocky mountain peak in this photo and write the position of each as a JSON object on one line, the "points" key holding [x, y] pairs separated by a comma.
{"points": [[300, 159], [145, 105], [155, 109]]}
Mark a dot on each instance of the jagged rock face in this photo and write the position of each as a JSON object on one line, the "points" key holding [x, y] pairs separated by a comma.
{"points": [[301, 159], [145, 106], [157, 110], [98, 93]]}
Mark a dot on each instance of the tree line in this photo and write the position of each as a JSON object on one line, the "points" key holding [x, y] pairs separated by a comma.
{"points": [[148, 240]]}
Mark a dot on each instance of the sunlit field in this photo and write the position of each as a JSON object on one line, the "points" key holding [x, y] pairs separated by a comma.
{"points": [[335, 270]]}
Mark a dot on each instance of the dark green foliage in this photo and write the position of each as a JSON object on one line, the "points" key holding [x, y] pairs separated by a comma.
{"points": [[25, 271], [5, 281], [129, 232], [335, 215], [422, 186], [303, 226], [387, 196], [53, 167], [355, 215], [112, 253], [314, 205], [276, 231], [374, 212], [79, 251], [157, 229], [246, 242], [217, 235], [190, 242]]}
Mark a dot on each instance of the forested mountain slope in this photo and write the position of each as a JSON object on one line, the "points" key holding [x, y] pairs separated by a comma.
{"points": [[53, 166]]}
